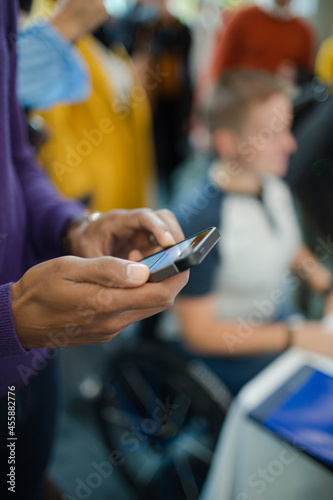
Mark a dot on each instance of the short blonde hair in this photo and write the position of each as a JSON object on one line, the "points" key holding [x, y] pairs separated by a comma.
{"points": [[234, 94]]}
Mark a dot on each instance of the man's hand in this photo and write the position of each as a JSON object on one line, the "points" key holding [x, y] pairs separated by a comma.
{"points": [[76, 18], [72, 301], [127, 234]]}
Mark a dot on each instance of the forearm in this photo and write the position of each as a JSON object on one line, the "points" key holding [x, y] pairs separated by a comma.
{"points": [[50, 69], [47, 212], [77, 18], [232, 338], [68, 26], [207, 335], [308, 268]]}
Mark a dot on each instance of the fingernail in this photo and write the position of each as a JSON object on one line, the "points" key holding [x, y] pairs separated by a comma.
{"points": [[169, 238], [137, 273]]}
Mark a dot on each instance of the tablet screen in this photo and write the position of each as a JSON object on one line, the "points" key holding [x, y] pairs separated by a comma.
{"points": [[301, 412]]}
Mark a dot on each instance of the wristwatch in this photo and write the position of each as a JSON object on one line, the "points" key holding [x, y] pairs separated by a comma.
{"points": [[294, 323], [328, 289], [86, 216]]}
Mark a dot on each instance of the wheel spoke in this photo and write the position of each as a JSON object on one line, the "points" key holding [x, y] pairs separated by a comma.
{"points": [[186, 476], [147, 472], [195, 448], [113, 415], [139, 385]]}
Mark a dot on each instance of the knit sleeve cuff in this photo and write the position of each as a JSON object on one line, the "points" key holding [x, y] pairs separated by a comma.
{"points": [[9, 342]]}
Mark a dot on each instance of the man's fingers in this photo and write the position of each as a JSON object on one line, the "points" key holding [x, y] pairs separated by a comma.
{"points": [[162, 224], [171, 221], [151, 295], [135, 255], [109, 272]]}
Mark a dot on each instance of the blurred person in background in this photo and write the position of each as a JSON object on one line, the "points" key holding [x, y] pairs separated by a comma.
{"points": [[50, 68], [100, 151], [160, 47], [268, 38], [211, 24], [235, 309]]}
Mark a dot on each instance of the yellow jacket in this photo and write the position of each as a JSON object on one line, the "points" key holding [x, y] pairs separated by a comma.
{"points": [[102, 149], [324, 61]]}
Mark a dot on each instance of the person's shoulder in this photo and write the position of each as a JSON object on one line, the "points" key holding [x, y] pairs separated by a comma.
{"points": [[246, 13], [278, 187], [304, 26], [199, 207], [244, 19], [327, 42], [324, 55]]}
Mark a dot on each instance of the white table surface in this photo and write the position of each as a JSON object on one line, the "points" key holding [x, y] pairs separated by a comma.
{"points": [[250, 463]]}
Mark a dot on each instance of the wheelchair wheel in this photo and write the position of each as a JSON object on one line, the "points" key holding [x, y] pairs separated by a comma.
{"points": [[162, 413]]}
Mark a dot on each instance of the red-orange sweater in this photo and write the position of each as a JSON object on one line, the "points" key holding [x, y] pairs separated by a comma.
{"points": [[254, 39]]}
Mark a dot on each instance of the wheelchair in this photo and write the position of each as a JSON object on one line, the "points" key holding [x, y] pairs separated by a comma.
{"points": [[160, 412]]}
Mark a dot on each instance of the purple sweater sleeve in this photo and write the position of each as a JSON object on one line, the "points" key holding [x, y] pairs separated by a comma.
{"points": [[47, 212], [10, 344]]}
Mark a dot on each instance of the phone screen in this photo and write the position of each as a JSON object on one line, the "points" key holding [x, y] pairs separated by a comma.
{"points": [[170, 255]]}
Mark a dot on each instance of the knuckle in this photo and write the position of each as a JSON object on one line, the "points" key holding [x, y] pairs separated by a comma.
{"points": [[186, 278], [61, 264], [103, 266], [145, 212], [170, 302], [111, 269], [106, 332], [114, 214], [112, 328], [142, 210], [167, 300], [101, 339], [166, 212]]}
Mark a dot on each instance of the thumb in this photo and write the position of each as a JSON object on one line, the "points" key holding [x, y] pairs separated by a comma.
{"points": [[111, 272]]}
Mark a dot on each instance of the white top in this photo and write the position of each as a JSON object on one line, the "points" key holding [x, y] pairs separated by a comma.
{"points": [[259, 242]]}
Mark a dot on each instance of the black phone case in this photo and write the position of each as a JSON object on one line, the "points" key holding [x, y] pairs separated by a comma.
{"points": [[191, 260]]}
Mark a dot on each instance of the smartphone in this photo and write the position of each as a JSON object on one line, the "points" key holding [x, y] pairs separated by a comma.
{"points": [[182, 256]]}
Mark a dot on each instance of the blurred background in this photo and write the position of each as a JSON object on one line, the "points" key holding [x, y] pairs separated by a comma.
{"points": [[140, 416]]}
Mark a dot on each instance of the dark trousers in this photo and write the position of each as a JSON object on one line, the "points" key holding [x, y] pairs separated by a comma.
{"points": [[36, 411]]}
